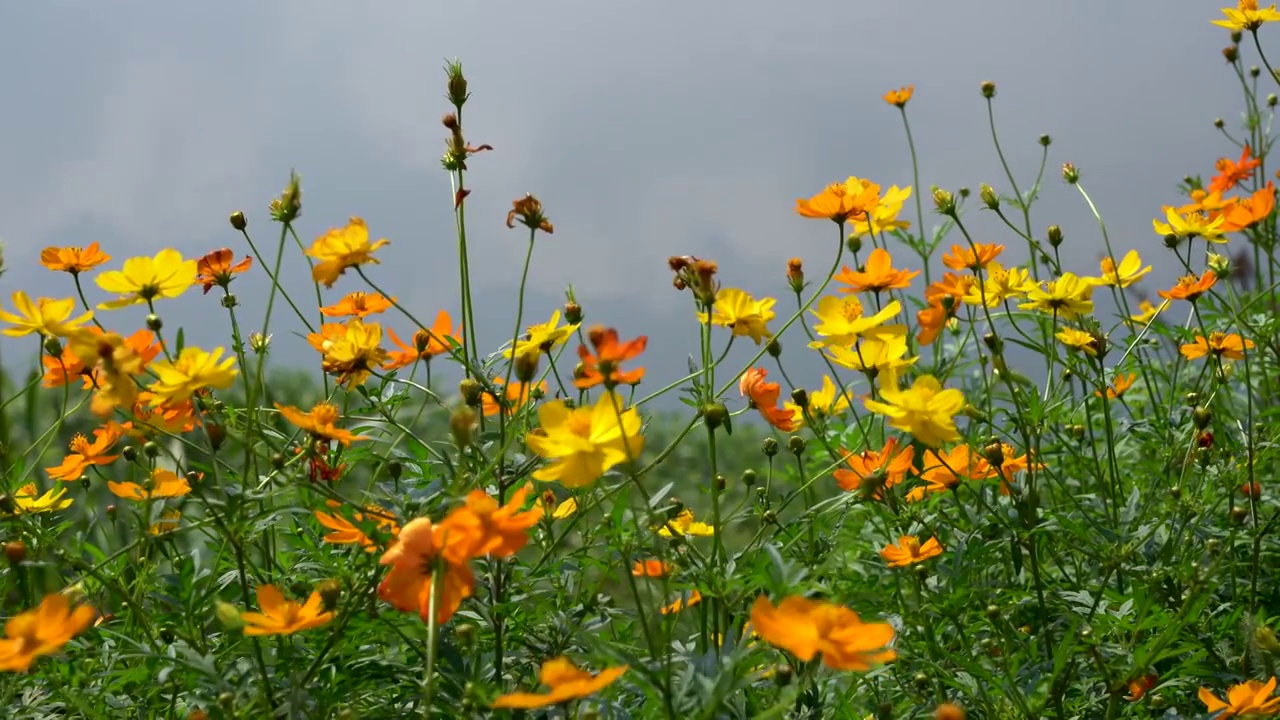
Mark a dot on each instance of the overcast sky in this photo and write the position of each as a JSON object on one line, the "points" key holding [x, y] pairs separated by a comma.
{"points": [[647, 129]]}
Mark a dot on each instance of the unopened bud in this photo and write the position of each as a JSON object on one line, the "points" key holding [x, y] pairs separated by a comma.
{"points": [[769, 446], [457, 84], [1231, 53], [1054, 235], [150, 449], [795, 274], [749, 477], [395, 469], [52, 346], [800, 397], [1255, 71], [1272, 100], [774, 348], [259, 343], [15, 552], [854, 244], [796, 444], [944, 202], [471, 390], [1236, 37], [238, 221], [217, 435], [572, 313], [1238, 514], [228, 615], [527, 366], [988, 89], [461, 423], [330, 590], [1045, 140], [1070, 174], [1219, 123], [714, 414], [1265, 638], [988, 196], [1201, 417], [154, 323]]}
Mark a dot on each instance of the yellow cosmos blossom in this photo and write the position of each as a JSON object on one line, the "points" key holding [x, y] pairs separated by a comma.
{"points": [[1190, 225], [843, 322], [284, 617], [45, 316], [1147, 312], [143, 279], [827, 402], [1000, 284], [583, 443], [925, 409], [741, 313], [194, 369], [565, 682], [880, 349], [164, 484], [1126, 273], [884, 217], [1068, 297], [1247, 16], [351, 350], [684, 524], [42, 631], [541, 338], [1079, 340], [341, 248], [26, 502], [910, 551]]}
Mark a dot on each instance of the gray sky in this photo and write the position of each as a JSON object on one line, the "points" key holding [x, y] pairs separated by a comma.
{"points": [[647, 129]]}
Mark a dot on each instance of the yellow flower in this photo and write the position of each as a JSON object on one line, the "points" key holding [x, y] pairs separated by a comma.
{"points": [[880, 349], [680, 603], [1230, 346], [1148, 312], [1079, 340], [351, 350], [1190, 225], [143, 279], [41, 631], [910, 551], [164, 484], [194, 369], [884, 217], [1068, 297], [1247, 16], [1128, 272], [741, 313], [341, 248], [827, 402], [566, 682], [842, 321], [900, 97], [684, 524], [284, 617], [45, 316], [925, 410], [583, 443], [25, 501], [167, 523], [1000, 285], [541, 338]]}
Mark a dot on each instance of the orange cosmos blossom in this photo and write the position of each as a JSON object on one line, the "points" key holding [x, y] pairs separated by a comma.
{"points": [[319, 422], [652, 567], [1231, 173], [974, 258], [566, 682], [216, 269], [1248, 699], [1118, 386], [516, 395], [1241, 213], [73, 260], [764, 395], [42, 631], [1189, 287], [1139, 687], [603, 366], [806, 628], [345, 532], [341, 248], [284, 617], [489, 528], [943, 471], [684, 601], [358, 304], [163, 484], [165, 417], [841, 201], [943, 296], [910, 551], [60, 370], [877, 275], [85, 454], [1230, 346], [878, 469], [426, 344], [899, 98]]}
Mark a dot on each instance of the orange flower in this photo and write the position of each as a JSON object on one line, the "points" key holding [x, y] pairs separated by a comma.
{"points": [[1139, 687], [73, 260], [1230, 346], [41, 631], [899, 98], [426, 345], [566, 682], [1231, 173], [1189, 287], [1119, 384], [910, 551], [60, 370], [216, 269], [358, 304], [165, 418], [1248, 699], [164, 484], [975, 258], [284, 617], [602, 368], [877, 275], [945, 471], [841, 201], [1241, 213], [653, 568], [764, 395], [487, 528], [421, 552], [517, 394], [940, 310], [1011, 462], [806, 627], [84, 453], [319, 422], [878, 469], [345, 531], [685, 601]]}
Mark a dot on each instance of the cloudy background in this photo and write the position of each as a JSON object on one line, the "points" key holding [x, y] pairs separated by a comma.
{"points": [[647, 129]]}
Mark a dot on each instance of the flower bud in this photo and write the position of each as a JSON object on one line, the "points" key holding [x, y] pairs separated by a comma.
{"points": [[1219, 264], [988, 89], [1070, 174], [154, 323], [259, 342], [854, 244], [769, 446], [1175, 492], [963, 192], [974, 413], [330, 590], [1251, 490], [714, 414], [994, 454], [993, 342], [1054, 235], [228, 615], [238, 221], [217, 434], [1272, 100], [572, 313], [1236, 37], [1231, 53], [52, 346], [395, 469], [1255, 71], [1238, 514], [796, 444], [150, 449], [944, 202], [795, 274], [471, 390], [527, 366], [15, 552], [782, 674], [1219, 123], [1265, 638], [1045, 141], [287, 207], [749, 477], [1201, 417], [457, 84], [461, 423], [993, 612], [800, 397], [988, 196], [774, 348]]}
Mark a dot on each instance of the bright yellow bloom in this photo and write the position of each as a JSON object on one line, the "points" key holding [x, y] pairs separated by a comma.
{"points": [[45, 316], [585, 442], [1247, 16], [900, 97], [806, 628], [1079, 340], [113, 361], [1068, 297], [541, 338], [167, 523], [910, 551], [194, 369], [164, 484], [1127, 273], [351, 350], [741, 313], [566, 682], [684, 524], [41, 631], [1248, 699], [1148, 312], [880, 349], [842, 321], [827, 402], [25, 501], [1000, 285], [284, 617], [1190, 225], [143, 279], [341, 248], [1230, 346], [884, 216], [925, 410]]}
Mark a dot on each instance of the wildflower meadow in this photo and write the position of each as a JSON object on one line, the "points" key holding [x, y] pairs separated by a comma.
{"points": [[1036, 488]]}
